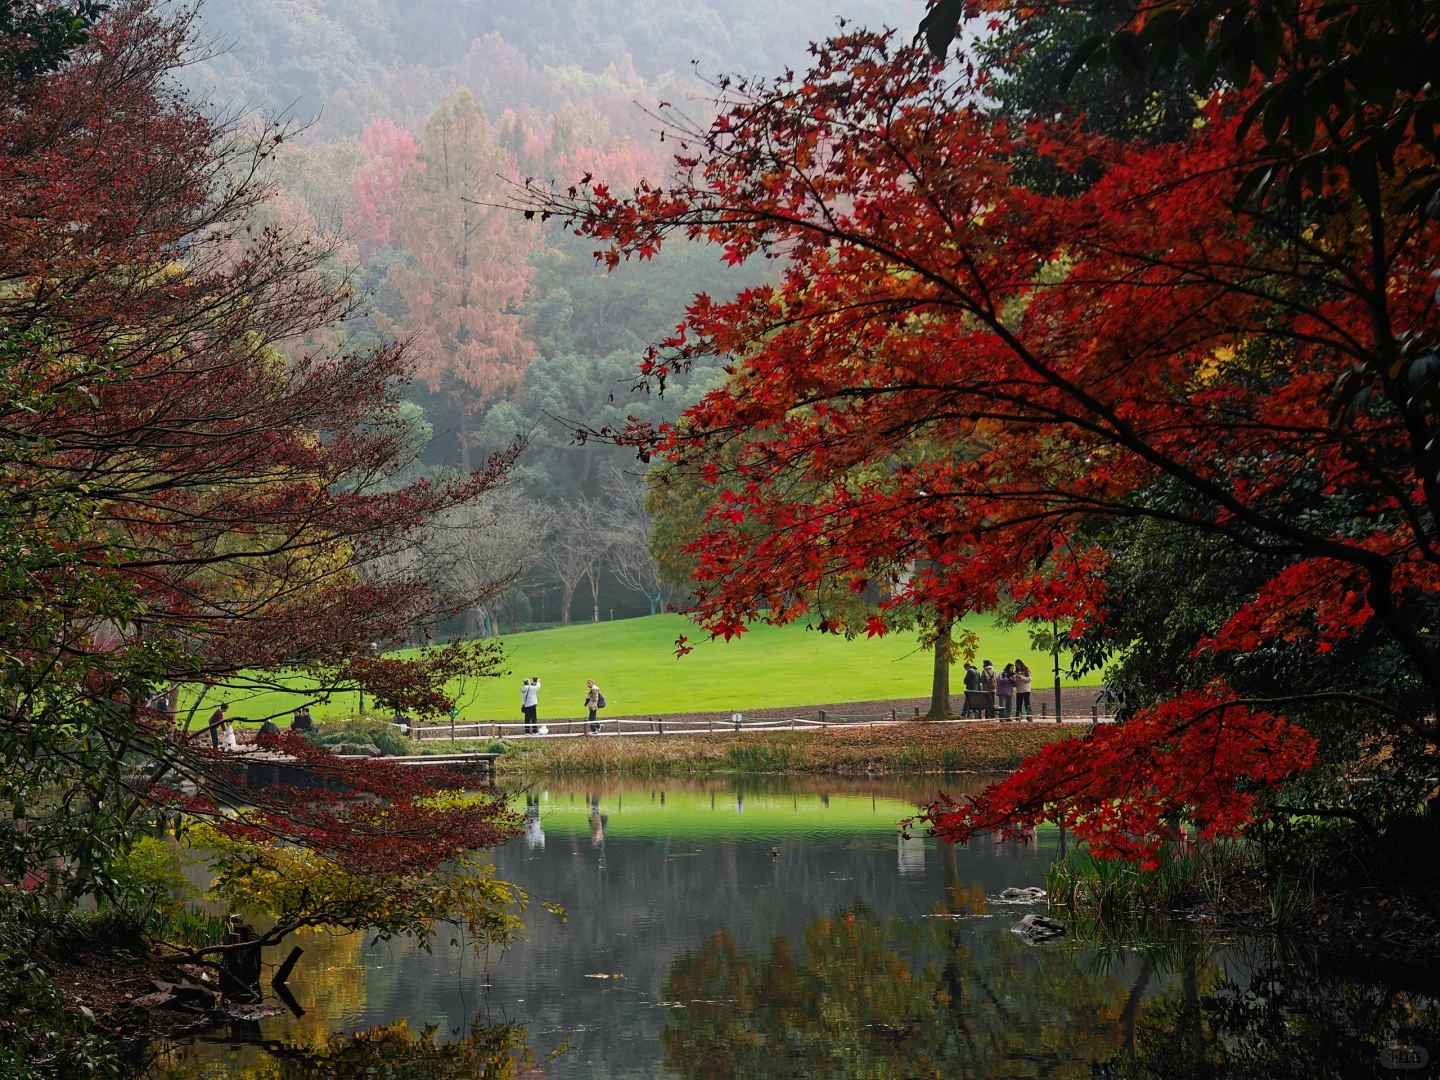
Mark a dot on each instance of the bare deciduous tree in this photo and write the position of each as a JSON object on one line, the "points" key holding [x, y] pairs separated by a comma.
{"points": [[630, 529], [573, 549], [478, 554]]}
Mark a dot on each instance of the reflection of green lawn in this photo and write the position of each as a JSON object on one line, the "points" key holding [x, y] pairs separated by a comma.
{"points": [[634, 662], [730, 814], [721, 815]]}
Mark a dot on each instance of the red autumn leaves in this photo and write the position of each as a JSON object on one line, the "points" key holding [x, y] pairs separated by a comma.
{"points": [[1200, 758], [957, 375]]}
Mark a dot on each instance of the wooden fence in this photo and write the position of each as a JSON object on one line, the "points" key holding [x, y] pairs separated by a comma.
{"points": [[737, 722]]}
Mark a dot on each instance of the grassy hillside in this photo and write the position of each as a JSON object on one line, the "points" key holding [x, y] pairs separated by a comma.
{"points": [[634, 662]]}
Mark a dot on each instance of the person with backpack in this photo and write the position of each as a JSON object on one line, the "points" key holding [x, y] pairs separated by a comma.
{"points": [[594, 700], [989, 679]]}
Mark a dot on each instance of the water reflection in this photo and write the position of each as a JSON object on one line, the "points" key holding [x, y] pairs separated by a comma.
{"points": [[1259, 1011], [534, 828], [394, 1051], [866, 996], [785, 929]]}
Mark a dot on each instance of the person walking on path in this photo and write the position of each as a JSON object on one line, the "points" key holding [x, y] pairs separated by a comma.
{"points": [[1022, 690], [1005, 690], [594, 700], [972, 683], [988, 682], [530, 704]]}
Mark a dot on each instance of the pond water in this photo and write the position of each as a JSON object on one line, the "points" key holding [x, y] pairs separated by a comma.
{"points": [[788, 930]]}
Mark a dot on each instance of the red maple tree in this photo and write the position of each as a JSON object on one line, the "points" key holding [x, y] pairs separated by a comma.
{"points": [[244, 496], [211, 496], [958, 373]]}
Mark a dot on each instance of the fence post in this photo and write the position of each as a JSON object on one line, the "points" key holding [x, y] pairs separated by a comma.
{"points": [[1094, 714], [1042, 710], [792, 723], [892, 716], [660, 720], [822, 717], [712, 724], [917, 712]]}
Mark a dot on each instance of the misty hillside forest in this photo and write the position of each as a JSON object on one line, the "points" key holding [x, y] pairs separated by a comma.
{"points": [[412, 123]]}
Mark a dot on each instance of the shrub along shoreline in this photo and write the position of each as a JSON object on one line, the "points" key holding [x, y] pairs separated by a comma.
{"points": [[901, 749]]}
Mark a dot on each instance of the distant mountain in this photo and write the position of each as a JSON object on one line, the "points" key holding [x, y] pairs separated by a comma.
{"points": [[351, 60]]}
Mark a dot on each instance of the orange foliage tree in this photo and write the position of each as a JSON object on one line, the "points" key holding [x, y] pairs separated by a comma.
{"points": [[468, 263]]}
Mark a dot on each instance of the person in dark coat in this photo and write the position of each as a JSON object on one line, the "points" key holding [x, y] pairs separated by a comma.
{"points": [[972, 682]]}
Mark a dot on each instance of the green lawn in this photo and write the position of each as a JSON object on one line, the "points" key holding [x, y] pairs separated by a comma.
{"points": [[634, 662]]}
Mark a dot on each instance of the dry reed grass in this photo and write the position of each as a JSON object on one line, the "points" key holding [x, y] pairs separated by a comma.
{"points": [[900, 749]]}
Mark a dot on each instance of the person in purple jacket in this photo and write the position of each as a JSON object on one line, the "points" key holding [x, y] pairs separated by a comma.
{"points": [[1005, 690]]}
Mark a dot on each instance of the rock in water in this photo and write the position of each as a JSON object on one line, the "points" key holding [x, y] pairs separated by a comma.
{"points": [[1023, 896], [1035, 928], [252, 1012]]}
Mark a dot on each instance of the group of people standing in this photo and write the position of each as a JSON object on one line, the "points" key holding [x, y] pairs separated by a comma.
{"points": [[997, 694], [530, 704], [222, 728]]}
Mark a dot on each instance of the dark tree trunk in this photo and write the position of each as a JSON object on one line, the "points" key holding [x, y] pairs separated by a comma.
{"points": [[940, 686], [240, 971]]}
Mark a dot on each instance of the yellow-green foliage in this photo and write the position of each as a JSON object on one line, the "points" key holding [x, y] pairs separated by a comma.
{"points": [[298, 887], [147, 878]]}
